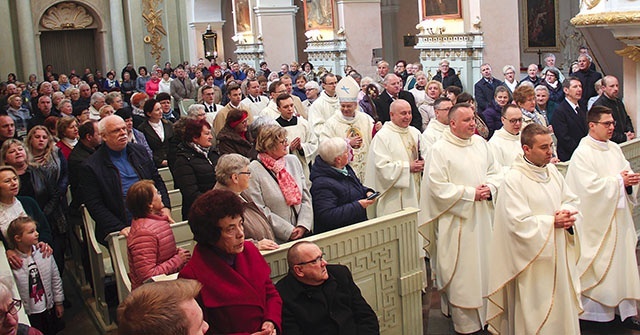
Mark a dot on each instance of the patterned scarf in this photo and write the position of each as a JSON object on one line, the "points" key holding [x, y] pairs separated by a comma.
{"points": [[288, 186]]}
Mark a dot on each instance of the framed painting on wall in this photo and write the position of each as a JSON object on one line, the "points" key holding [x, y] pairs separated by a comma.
{"points": [[540, 18], [318, 14], [435, 9], [242, 15]]}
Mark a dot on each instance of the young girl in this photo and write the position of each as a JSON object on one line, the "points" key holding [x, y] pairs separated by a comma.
{"points": [[38, 279], [151, 244]]}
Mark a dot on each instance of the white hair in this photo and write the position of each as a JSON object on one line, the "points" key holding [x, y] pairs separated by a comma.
{"points": [[332, 148], [102, 125], [193, 110]]}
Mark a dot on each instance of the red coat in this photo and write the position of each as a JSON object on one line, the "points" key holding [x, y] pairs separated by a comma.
{"points": [[238, 299], [152, 249]]}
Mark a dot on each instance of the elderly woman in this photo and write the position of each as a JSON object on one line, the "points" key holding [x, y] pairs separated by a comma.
{"points": [[556, 94], [194, 168], [493, 114], [196, 112], [339, 198], [65, 107], [510, 81], [157, 131], [142, 79], [67, 130], [426, 109], [151, 245], [233, 137], [9, 307], [419, 90], [232, 173], [524, 96], [278, 186], [544, 105], [237, 294]]}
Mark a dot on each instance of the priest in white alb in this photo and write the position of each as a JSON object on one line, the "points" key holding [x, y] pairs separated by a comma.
{"points": [[326, 104], [441, 122], [533, 281], [460, 183], [394, 163], [302, 142], [351, 124], [505, 141], [601, 176]]}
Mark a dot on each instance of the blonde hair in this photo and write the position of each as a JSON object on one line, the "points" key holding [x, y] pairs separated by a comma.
{"points": [[48, 150], [269, 137]]}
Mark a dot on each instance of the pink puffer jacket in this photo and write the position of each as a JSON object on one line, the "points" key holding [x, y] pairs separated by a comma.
{"points": [[152, 249]]}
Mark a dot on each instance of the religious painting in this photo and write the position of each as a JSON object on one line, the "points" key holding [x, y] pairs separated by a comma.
{"points": [[242, 14], [318, 14], [540, 18], [436, 9]]}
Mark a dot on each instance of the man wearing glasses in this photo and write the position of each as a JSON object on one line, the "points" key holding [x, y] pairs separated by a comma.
{"points": [[319, 298], [326, 105], [505, 142], [602, 178]]}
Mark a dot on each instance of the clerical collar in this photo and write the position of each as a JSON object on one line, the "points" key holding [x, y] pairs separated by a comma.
{"points": [[287, 123], [531, 163], [254, 99]]}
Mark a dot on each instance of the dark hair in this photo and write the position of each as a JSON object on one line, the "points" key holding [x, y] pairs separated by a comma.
{"points": [[234, 115], [148, 106], [595, 113], [232, 87], [437, 102], [143, 68], [453, 89], [139, 197], [193, 129], [454, 109], [274, 85], [87, 128], [464, 97], [162, 96], [281, 97], [207, 211], [567, 82], [305, 63], [504, 109], [531, 131], [124, 113]]}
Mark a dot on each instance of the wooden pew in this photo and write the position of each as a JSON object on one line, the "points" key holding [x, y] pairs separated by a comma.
{"points": [[175, 197], [119, 254], [167, 177]]}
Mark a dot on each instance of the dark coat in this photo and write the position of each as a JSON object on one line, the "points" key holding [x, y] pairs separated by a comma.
{"points": [[555, 94], [102, 189], [492, 116], [451, 79], [588, 79], [193, 174], [159, 148], [335, 197], [483, 92], [230, 142], [336, 307], [537, 81], [383, 104], [79, 155], [619, 113], [569, 128]]}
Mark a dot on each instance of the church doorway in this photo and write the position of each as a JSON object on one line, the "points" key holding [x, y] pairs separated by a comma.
{"points": [[69, 50]]}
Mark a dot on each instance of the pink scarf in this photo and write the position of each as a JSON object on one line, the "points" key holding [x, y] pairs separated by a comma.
{"points": [[288, 186]]}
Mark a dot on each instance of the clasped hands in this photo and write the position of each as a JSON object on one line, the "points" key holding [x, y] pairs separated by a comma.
{"points": [[565, 219]]}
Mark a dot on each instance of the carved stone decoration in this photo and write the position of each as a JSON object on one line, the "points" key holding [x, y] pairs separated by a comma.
{"points": [[632, 52], [606, 18], [66, 15], [591, 3], [153, 21]]}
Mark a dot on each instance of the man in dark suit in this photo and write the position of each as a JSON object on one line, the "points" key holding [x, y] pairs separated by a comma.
{"points": [[623, 130], [588, 78], [322, 299], [570, 119], [485, 87], [392, 91]]}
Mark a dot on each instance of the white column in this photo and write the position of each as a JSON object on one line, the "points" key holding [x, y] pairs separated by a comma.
{"points": [[8, 62], [360, 45], [27, 39], [277, 24], [118, 37]]}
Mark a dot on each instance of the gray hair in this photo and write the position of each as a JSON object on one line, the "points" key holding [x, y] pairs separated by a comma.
{"points": [[111, 96], [95, 97], [62, 102], [526, 83], [507, 67], [6, 284], [541, 88], [254, 127], [444, 61], [193, 110], [549, 55], [331, 148], [366, 81], [388, 77], [229, 165]]}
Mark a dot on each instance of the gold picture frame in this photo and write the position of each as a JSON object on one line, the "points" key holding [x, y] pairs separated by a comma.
{"points": [[318, 14], [540, 25]]}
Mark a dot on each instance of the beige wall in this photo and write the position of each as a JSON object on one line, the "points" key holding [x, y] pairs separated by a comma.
{"points": [[362, 35], [407, 25], [501, 34]]}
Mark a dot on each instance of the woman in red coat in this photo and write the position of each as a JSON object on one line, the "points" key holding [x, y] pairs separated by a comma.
{"points": [[150, 241], [238, 296]]}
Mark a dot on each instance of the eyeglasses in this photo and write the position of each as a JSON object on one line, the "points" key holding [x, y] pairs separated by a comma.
{"points": [[13, 309], [314, 261], [607, 124], [284, 141], [245, 172], [515, 121]]}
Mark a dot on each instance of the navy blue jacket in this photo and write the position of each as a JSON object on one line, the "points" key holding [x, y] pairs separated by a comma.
{"points": [[335, 197], [493, 117], [102, 189], [483, 92], [569, 128]]}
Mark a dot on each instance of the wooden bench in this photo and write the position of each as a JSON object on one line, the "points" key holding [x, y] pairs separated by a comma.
{"points": [[167, 177], [175, 197], [101, 270], [119, 254]]}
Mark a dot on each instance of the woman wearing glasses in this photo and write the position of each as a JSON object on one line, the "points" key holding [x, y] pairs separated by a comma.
{"points": [[237, 294], [278, 186], [9, 307]]}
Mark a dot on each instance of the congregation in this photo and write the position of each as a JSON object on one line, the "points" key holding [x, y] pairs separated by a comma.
{"points": [[265, 157]]}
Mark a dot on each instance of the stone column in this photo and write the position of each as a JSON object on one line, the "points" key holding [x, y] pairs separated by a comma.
{"points": [[389, 10], [8, 63], [118, 37], [276, 23], [359, 45], [27, 39]]}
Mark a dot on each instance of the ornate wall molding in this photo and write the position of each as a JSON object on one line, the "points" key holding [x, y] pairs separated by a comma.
{"points": [[606, 18], [590, 3], [66, 15], [632, 52], [153, 20]]}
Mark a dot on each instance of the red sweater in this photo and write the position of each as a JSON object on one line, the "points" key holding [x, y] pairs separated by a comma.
{"points": [[238, 299], [152, 249]]}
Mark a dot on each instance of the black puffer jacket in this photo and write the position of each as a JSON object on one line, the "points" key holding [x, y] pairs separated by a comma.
{"points": [[193, 174]]}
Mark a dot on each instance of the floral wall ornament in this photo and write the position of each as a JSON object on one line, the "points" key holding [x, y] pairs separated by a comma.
{"points": [[153, 20]]}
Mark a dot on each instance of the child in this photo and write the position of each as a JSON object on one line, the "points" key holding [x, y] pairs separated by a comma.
{"points": [[38, 279]]}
